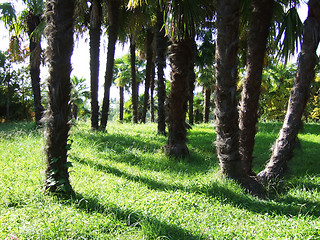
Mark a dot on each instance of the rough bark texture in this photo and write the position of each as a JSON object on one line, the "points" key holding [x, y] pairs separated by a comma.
{"points": [[148, 75], [134, 83], [121, 103], [59, 31], [181, 58], [161, 49], [95, 32], [226, 111], [284, 145], [207, 94], [35, 60], [114, 6], [258, 34]]}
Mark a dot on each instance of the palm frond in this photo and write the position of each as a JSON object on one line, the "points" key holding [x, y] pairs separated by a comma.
{"points": [[8, 13], [289, 35]]}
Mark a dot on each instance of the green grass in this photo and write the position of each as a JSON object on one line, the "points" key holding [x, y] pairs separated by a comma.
{"points": [[127, 189]]}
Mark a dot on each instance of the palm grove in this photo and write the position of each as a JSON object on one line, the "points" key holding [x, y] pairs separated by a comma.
{"points": [[204, 41]]}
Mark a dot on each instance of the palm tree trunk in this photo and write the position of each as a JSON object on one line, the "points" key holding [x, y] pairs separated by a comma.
{"points": [[258, 34], [95, 32], [161, 48], [207, 94], [148, 75], [113, 35], [226, 112], [284, 145], [181, 59], [151, 93], [8, 98], [134, 83], [59, 31], [35, 60], [121, 103], [192, 79]]}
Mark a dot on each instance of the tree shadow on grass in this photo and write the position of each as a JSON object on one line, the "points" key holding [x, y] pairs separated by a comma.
{"points": [[124, 147], [156, 229], [288, 206]]}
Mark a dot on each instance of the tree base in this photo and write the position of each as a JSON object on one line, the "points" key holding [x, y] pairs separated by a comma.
{"points": [[253, 186], [176, 150]]}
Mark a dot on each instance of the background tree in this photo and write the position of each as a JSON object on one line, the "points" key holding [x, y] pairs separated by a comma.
{"points": [[30, 20], [149, 66], [161, 50], [205, 60], [113, 7], [182, 23], [284, 146], [59, 32], [35, 26], [122, 79], [95, 33], [79, 97]]}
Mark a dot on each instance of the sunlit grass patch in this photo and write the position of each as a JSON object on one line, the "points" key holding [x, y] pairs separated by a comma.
{"points": [[126, 188]]}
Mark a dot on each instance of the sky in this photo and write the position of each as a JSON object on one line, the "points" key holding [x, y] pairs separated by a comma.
{"points": [[80, 58]]}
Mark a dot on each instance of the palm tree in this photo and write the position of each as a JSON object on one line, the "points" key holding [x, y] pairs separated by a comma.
{"points": [[284, 145], [32, 17], [258, 35], [181, 59], [79, 95], [161, 49], [192, 81], [35, 25], [205, 60], [182, 23], [149, 51], [152, 83], [95, 33], [113, 17], [134, 83], [122, 78], [227, 141], [59, 32]]}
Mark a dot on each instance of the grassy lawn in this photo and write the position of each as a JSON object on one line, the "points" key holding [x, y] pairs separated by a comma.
{"points": [[127, 189]]}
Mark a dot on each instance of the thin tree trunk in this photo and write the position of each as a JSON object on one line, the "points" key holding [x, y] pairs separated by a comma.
{"points": [[227, 129], [113, 35], [207, 94], [258, 34], [148, 75], [161, 49], [95, 33], [151, 93], [8, 98], [121, 104], [59, 31], [35, 61], [134, 83], [284, 145], [181, 58], [192, 79]]}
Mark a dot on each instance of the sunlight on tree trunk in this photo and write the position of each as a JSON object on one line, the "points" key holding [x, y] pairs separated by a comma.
{"points": [[161, 49], [59, 31], [114, 6], [181, 58], [258, 34], [226, 111], [284, 145], [95, 32]]}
